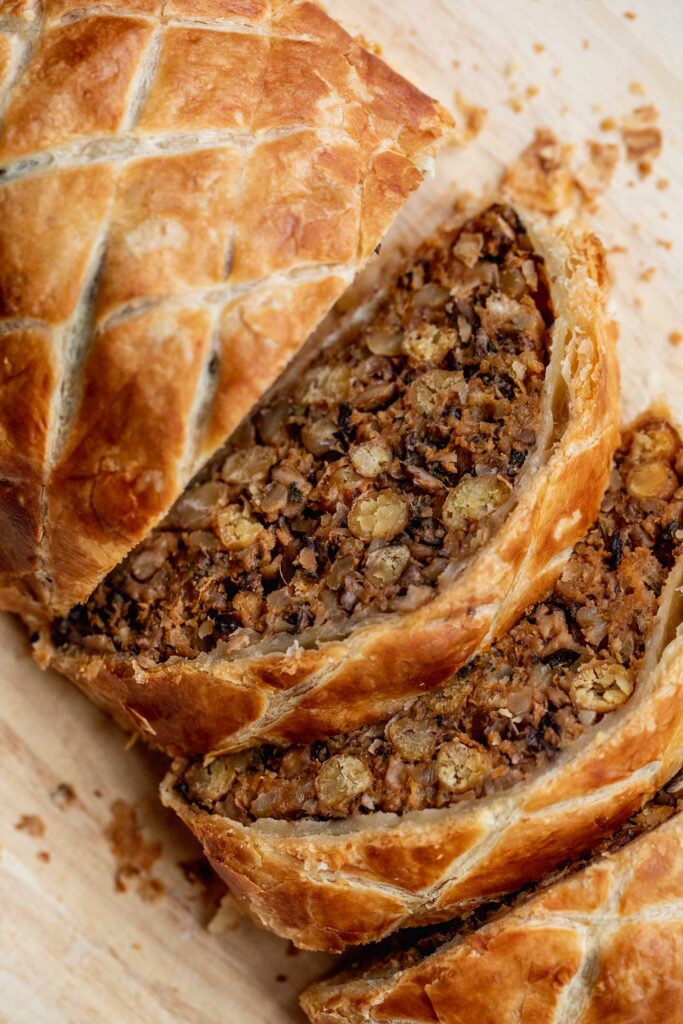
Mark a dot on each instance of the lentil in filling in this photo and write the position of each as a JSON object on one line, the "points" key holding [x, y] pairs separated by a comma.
{"points": [[571, 660], [352, 489]]}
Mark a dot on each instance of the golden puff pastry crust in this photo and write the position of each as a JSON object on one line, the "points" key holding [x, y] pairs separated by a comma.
{"points": [[216, 702], [601, 945], [326, 884], [186, 187]]}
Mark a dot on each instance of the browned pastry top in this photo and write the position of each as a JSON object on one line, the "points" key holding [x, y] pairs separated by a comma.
{"points": [[186, 188], [603, 944]]}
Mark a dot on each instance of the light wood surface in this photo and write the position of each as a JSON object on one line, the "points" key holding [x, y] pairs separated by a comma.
{"points": [[73, 949]]}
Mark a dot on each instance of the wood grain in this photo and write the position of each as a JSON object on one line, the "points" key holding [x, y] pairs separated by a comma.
{"points": [[74, 950]]}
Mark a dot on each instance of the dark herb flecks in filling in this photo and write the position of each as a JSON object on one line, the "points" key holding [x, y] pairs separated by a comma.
{"points": [[571, 660], [350, 491]]}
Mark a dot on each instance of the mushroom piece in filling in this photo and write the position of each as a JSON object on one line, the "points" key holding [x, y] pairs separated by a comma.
{"points": [[571, 660], [351, 489]]}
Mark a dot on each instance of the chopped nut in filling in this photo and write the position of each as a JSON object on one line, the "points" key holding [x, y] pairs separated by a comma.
{"points": [[571, 660], [348, 492]]}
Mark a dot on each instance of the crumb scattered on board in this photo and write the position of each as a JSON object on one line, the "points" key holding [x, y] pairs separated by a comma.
{"points": [[642, 135], [595, 175], [32, 824], [367, 45], [43, 856], [228, 916], [470, 120], [541, 178], [134, 855], [545, 180], [63, 796], [208, 886], [550, 176]]}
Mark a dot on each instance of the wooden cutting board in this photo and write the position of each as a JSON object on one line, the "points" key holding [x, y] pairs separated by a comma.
{"points": [[73, 948]]}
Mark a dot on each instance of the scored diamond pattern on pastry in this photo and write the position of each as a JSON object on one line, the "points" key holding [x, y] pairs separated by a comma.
{"points": [[172, 173]]}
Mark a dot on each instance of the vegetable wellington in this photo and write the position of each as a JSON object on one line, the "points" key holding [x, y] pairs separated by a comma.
{"points": [[392, 506], [534, 750]]}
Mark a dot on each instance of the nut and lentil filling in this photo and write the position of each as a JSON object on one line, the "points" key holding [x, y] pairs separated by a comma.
{"points": [[571, 660], [351, 490]]}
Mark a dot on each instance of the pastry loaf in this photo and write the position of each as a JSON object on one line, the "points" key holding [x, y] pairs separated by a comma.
{"points": [[185, 189], [539, 746], [600, 944], [390, 508]]}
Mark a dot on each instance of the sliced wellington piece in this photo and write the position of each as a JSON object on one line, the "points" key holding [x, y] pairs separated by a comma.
{"points": [[600, 942], [185, 190], [534, 750], [393, 505]]}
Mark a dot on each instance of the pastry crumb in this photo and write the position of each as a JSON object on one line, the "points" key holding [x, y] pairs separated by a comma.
{"points": [[675, 338], [227, 918], [32, 824], [43, 856], [134, 854], [637, 88], [367, 45], [596, 174], [664, 243], [630, 15], [470, 122], [608, 124], [585, 44], [63, 796], [541, 178], [538, 47], [641, 134], [151, 889], [648, 273], [544, 179], [208, 886], [662, 184]]}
